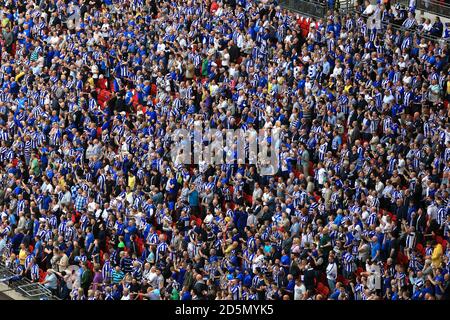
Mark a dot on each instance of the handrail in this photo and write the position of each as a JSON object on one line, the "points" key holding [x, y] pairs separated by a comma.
{"points": [[317, 9], [425, 36], [401, 28], [36, 290], [435, 7], [436, 2], [287, 4], [313, 9], [24, 282], [346, 6]]}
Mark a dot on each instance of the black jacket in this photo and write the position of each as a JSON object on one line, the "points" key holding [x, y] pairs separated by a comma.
{"points": [[309, 277]]}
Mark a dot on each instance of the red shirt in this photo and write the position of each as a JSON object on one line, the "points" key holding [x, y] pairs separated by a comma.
{"points": [[214, 7]]}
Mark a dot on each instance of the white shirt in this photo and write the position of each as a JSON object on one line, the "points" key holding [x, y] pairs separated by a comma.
{"points": [[226, 60], [152, 279], [257, 262], [257, 193], [336, 71], [374, 279], [432, 211], [67, 197], [369, 10], [332, 271], [240, 41], [299, 291], [401, 165], [47, 187], [321, 176], [161, 47], [252, 220], [91, 206], [208, 218], [312, 71], [296, 71], [233, 73], [379, 187]]}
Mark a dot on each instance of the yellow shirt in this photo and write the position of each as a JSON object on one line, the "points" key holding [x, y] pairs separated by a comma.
{"points": [[62, 182], [5, 22], [22, 256], [20, 75], [91, 81], [131, 182], [230, 248], [269, 87], [448, 87], [436, 257]]}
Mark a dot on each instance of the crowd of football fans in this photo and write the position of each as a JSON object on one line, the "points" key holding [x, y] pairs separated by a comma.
{"points": [[93, 206]]}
